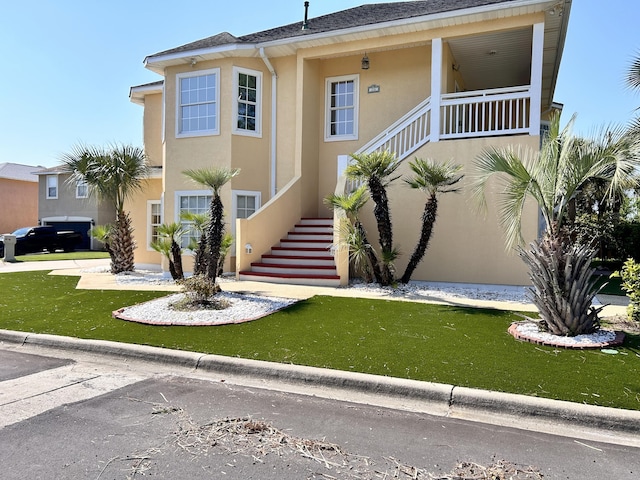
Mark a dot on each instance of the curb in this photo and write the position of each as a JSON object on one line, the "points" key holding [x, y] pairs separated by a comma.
{"points": [[442, 399]]}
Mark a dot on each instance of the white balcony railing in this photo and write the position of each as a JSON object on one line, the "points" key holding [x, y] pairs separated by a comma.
{"points": [[479, 113], [498, 111]]}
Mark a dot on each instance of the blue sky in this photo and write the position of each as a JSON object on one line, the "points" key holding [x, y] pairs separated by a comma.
{"points": [[67, 65]]}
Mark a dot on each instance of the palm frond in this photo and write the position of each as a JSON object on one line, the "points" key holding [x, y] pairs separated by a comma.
{"points": [[434, 177], [214, 178], [379, 165]]}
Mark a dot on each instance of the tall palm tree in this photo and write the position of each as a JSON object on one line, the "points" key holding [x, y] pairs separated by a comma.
{"points": [[113, 174], [552, 177], [632, 79], [215, 179], [361, 253], [376, 170], [432, 178]]}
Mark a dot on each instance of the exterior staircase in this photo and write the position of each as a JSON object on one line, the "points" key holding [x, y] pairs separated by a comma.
{"points": [[303, 258]]}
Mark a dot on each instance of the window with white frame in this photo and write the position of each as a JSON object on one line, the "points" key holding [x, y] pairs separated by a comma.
{"points": [[341, 116], [195, 202], [244, 204], [198, 103], [154, 220], [82, 189], [52, 186], [248, 101]]}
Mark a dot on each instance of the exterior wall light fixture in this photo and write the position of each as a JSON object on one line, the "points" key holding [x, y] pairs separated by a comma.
{"points": [[365, 62]]}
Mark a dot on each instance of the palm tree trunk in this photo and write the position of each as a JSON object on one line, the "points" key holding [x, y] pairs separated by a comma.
{"points": [[385, 232], [176, 255], [216, 233], [200, 260], [371, 254], [428, 221], [563, 286], [122, 245]]}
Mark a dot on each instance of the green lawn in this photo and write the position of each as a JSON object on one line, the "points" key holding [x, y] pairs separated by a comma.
{"points": [[40, 257], [460, 346]]}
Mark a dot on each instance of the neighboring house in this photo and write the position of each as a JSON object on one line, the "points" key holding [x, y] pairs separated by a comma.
{"points": [[66, 205], [18, 196], [431, 79]]}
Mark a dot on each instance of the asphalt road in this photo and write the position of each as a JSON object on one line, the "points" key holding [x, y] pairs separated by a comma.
{"points": [[73, 415]]}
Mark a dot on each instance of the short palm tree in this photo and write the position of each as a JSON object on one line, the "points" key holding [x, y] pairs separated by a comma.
{"points": [[169, 245], [361, 253], [215, 179], [432, 178], [560, 271], [199, 222], [113, 174], [376, 169], [103, 234]]}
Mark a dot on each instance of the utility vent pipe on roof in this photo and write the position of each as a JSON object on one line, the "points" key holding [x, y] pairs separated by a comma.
{"points": [[305, 24]]}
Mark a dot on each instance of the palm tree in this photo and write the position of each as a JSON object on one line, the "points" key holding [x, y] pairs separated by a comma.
{"points": [[113, 174], [632, 79], [560, 270], [199, 222], [432, 178], [361, 253], [215, 179], [375, 169], [169, 245], [103, 234]]}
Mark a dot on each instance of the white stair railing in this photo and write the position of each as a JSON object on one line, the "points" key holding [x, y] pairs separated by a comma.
{"points": [[402, 138]]}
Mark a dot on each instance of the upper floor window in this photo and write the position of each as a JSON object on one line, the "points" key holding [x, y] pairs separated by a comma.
{"points": [[341, 116], [198, 103], [248, 102], [82, 189], [52, 186]]}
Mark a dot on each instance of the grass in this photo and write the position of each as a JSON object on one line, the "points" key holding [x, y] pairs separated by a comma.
{"points": [[612, 286], [460, 346], [40, 257]]}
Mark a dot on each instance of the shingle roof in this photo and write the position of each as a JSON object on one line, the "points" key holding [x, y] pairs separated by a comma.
{"points": [[52, 170], [353, 17], [17, 171]]}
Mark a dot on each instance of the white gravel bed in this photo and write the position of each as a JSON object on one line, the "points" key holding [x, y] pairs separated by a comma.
{"points": [[244, 307], [447, 291], [600, 337]]}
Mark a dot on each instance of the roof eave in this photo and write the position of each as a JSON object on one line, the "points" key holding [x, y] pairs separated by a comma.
{"points": [[137, 93], [157, 63]]}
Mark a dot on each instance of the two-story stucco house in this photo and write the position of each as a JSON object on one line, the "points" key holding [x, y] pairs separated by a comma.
{"points": [[66, 205], [427, 79]]}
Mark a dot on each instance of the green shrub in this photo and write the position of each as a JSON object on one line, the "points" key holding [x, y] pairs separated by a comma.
{"points": [[199, 288], [630, 274]]}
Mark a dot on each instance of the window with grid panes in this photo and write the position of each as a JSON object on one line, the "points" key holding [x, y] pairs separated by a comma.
{"points": [[342, 108], [197, 204], [198, 103]]}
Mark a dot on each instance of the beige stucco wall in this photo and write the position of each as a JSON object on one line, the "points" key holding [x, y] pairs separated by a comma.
{"points": [[137, 206], [18, 204], [152, 128], [467, 245]]}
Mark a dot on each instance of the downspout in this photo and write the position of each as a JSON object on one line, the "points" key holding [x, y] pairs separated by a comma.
{"points": [[274, 98]]}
